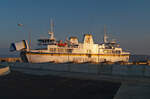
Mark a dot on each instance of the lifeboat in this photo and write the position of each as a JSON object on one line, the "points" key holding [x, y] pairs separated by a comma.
{"points": [[62, 44]]}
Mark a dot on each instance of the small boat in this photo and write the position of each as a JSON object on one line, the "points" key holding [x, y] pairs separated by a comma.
{"points": [[4, 70]]}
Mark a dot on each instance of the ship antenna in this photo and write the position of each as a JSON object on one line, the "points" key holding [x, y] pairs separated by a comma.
{"points": [[105, 35], [51, 32]]}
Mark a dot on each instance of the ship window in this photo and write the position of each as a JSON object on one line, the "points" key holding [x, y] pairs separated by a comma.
{"points": [[54, 49], [118, 52], [69, 50], [107, 51], [60, 50], [66, 50]]}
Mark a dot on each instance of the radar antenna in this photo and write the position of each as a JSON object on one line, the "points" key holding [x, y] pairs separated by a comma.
{"points": [[105, 35], [51, 31]]}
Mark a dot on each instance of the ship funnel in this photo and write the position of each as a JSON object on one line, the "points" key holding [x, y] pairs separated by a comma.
{"points": [[105, 35], [88, 39]]}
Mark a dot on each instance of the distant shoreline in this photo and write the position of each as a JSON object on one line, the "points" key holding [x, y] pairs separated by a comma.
{"points": [[5, 56]]}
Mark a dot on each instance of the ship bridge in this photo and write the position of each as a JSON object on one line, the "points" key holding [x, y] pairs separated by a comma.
{"points": [[46, 41]]}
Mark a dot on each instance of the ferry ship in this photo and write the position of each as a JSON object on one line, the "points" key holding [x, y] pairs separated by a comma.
{"points": [[71, 50]]}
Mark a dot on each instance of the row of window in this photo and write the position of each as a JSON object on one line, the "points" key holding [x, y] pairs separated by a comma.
{"points": [[112, 51], [60, 50]]}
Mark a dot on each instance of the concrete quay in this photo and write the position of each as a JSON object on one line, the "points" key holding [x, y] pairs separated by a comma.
{"points": [[135, 79], [101, 69]]}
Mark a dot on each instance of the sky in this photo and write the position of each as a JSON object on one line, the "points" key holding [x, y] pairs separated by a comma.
{"points": [[127, 21]]}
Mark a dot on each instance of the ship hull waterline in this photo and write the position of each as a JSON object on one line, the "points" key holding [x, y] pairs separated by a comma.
{"points": [[38, 57]]}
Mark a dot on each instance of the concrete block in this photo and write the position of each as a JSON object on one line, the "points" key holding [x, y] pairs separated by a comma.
{"points": [[33, 66], [120, 70], [92, 68], [128, 70], [55, 67], [83, 68], [104, 69], [124, 70], [135, 70], [17, 64], [116, 69], [147, 71]]}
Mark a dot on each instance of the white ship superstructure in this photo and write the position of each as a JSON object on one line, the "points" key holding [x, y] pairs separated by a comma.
{"points": [[71, 50]]}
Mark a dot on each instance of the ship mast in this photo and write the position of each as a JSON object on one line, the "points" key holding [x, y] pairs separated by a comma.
{"points": [[105, 35], [51, 32]]}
